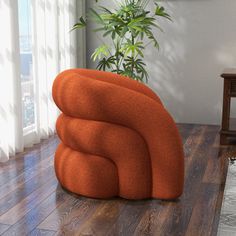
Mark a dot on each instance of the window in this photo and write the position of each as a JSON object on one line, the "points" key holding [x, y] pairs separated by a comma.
{"points": [[27, 81]]}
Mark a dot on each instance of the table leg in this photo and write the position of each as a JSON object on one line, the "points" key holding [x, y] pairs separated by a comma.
{"points": [[226, 111]]}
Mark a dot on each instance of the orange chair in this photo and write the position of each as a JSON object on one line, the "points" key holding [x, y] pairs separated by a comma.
{"points": [[117, 138]]}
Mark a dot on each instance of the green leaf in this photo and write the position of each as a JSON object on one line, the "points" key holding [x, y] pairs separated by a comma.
{"points": [[124, 31], [127, 27], [79, 25], [160, 11], [82, 20], [107, 33], [105, 9], [113, 35], [106, 63], [97, 18], [99, 52]]}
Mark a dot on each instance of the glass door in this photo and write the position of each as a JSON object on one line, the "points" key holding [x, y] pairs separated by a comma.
{"points": [[27, 80]]}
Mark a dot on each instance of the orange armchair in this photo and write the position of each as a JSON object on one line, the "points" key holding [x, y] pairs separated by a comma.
{"points": [[117, 138]]}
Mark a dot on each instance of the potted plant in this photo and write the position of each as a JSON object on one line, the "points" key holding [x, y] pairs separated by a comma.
{"points": [[130, 30]]}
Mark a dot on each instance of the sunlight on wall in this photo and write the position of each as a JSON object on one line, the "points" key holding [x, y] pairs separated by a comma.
{"points": [[194, 50], [10, 116], [225, 56]]}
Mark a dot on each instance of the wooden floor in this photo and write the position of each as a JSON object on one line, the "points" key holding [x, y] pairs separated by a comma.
{"points": [[32, 202]]}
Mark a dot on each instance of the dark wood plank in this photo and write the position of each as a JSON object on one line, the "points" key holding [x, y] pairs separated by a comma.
{"points": [[41, 232], [103, 218], [176, 215], [28, 203], [192, 142], [154, 220], [32, 202], [217, 166], [33, 218], [223, 163], [26, 176], [185, 130], [3, 228], [69, 217], [214, 226], [20, 164], [132, 210], [13, 198], [204, 211]]}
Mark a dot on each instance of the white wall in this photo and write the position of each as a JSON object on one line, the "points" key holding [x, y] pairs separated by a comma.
{"points": [[194, 50]]}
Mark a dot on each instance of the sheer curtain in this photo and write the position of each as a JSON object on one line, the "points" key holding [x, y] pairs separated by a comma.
{"points": [[54, 49], [11, 130]]}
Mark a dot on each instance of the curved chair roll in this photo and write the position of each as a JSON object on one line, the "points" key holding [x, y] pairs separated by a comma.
{"points": [[117, 138]]}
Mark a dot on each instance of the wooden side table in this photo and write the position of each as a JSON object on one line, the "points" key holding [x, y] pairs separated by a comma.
{"points": [[229, 76]]}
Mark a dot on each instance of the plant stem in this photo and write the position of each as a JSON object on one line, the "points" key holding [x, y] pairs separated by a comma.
{"points": [[132, 56], [117, 56]]}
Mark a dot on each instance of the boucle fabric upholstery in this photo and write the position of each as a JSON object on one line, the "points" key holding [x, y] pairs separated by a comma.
{"points": [[117, 139]]}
